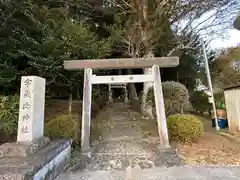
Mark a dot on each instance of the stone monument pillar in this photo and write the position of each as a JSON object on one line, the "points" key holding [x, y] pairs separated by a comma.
{"points": [[33, 156], [31, 108]]}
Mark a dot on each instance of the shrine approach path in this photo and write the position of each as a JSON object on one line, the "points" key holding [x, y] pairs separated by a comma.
{"points": [[128, 149]]}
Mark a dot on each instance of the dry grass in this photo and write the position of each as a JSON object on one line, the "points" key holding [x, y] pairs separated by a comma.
{"points": [[212, 149]]}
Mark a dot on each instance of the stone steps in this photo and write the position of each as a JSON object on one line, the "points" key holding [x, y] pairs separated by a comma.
{"points": [[111, 157], [123, 145], [159, 173], [118, 161]]}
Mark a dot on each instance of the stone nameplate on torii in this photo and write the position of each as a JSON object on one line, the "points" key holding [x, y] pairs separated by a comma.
{"points": [[125, 63]]}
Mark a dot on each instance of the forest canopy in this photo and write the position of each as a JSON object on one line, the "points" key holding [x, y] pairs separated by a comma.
{"points": [[37, 35]]}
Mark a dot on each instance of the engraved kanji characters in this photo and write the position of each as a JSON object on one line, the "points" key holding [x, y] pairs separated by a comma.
{"points": [[26, 105], [24, 129], [27, 93], [28, 82], [25, 118]]}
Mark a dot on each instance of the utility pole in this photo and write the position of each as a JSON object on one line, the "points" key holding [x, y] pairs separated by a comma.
{"points": [[210, 85]]}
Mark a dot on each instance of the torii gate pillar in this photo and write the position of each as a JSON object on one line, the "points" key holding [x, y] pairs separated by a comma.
{"points": [[155, 77]]}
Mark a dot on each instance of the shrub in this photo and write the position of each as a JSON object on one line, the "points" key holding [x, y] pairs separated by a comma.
{"points": [[219, 98], [184, 128], [200, 101], [9, 109], [175, 95], [64, 126]]}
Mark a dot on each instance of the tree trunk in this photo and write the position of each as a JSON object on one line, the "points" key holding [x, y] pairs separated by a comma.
{"points": [[132, 89], [147, 105], [70, 103], [78, 93], [142, 13], [181, 109], [78, 128]]}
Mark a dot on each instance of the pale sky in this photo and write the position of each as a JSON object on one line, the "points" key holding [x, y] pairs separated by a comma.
{"points": [[204, 25], [233, 40]]}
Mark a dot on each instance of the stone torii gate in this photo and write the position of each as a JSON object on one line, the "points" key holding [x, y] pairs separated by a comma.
{"points": [[122, 63]]}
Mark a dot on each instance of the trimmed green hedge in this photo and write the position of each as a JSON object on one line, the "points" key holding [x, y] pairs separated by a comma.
{"points": [[184, 128], [64, 126]]}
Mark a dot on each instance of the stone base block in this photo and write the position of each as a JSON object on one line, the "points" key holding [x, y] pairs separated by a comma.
{"points": [[17, 149], [45, 163]]}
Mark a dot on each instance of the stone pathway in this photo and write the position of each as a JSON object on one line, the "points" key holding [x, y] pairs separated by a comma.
{"points": [[124, 152]]}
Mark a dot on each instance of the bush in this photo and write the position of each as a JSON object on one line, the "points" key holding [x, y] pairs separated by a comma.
{"points": [[200, 102], [9, 110], [184, 128], [219, 98], [64, 126], [175, 95]]}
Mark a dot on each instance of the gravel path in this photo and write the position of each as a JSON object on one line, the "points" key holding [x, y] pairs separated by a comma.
{"points": [[123, 144], [125, 153]]}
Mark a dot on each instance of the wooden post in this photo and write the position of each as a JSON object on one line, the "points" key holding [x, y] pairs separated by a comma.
{"points": [[86, 109], [160, 110]]}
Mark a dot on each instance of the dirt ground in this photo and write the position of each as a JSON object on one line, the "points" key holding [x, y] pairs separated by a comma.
{"points": [[213, 148]]}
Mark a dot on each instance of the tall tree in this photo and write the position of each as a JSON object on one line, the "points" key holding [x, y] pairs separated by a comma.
{"points": [[149, 21], [226, 68], [37, 37]]}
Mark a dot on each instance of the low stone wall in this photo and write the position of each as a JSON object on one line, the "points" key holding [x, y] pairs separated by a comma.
{"points": [[55, 166], [39, 160]]}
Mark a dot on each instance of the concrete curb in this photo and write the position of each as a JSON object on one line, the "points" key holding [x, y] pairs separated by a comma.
{"points": [[229, 136]]}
